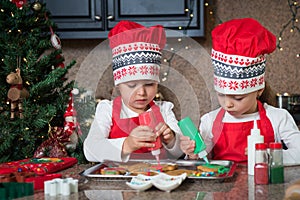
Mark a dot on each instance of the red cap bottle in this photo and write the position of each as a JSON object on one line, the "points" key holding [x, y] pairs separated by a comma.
{"points": [[148, 119], [261, 167]]}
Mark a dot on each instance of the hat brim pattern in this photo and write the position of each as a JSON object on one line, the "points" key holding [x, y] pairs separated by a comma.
{"points": [[235, 74], [136, 61], [136, 72]]}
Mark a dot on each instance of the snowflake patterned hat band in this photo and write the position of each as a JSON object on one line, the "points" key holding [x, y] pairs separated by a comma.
{"points": [[239, 49], [136, 51]]}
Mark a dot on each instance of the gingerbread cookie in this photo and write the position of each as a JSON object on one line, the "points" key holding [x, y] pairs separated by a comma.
{"points": [[178, 172], [147, 168], [113, 171], [135, 167], [211, 168], [169, 167]]}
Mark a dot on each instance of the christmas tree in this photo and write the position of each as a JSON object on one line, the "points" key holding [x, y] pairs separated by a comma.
{"points": [[31, 50]]}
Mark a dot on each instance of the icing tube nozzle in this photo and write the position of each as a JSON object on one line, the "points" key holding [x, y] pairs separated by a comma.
{"points": [[203, 155]]}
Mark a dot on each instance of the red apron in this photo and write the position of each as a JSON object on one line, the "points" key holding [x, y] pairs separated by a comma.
{"points": [[123, 127], [230, 139]]}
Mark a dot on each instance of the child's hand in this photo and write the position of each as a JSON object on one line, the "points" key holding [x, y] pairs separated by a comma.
{"points": [[188, 146], [164, 131], [141, 136]]}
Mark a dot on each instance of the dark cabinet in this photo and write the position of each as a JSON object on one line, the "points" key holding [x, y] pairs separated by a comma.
{"points": [[78, 18], [94, 18]]}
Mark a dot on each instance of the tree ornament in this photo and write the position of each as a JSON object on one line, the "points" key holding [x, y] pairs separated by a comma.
{"points": [[55, 41], [25, 34], [36, 6], [16, 92], [71, 126], [61, 64], [19, 3], [54, 145], [75, 91]]}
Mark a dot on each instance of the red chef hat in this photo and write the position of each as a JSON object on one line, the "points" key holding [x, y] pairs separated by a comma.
{"points": [[238, 55], [136, 51], [70, 112]]}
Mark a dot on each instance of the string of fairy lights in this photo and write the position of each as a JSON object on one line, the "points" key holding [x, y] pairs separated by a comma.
{"points": [[292, 23], [212, 10], [168, 61]]}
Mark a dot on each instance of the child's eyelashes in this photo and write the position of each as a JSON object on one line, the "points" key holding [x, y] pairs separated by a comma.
{"points": [[133, 85], [234, 97], [149, 84], [238, 99]]}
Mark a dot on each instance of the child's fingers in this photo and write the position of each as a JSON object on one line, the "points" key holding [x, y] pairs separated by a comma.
{"points": [[142, 143], [187, 146], [133, 143], [191, 147], [147, 144], [160, 128], [144, 137], [193, 156], [184, 138], [191, 150], [164, 131], [168, 134], [137, 131], [143, 133]]}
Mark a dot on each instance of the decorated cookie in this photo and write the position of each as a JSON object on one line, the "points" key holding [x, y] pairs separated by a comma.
{"points": [[113, 171], [178, 172], [212, 168]]}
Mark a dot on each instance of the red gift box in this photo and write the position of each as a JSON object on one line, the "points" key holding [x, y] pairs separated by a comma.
{"points": [[35, 170], [40, 166]]}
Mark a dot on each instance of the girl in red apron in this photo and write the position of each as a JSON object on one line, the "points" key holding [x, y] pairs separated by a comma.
{"points": [[238, 59], [116, 133]]}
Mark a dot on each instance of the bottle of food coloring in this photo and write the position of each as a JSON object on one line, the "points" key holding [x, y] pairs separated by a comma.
{"points": [[189, 129], [276, 163], [261, 167], [252, 139], [148, 119]]}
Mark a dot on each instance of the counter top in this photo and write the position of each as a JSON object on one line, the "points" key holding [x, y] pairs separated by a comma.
{"points": [[240, 186]]}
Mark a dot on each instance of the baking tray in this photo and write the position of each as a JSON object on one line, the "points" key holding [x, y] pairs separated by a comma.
{"points": [[182, 164]]}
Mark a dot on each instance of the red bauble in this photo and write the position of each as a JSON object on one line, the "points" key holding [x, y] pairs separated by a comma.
{"points": [[19, 3], [61, 65]]}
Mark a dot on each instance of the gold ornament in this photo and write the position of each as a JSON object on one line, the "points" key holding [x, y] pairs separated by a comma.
{"points": [[37, 6]]}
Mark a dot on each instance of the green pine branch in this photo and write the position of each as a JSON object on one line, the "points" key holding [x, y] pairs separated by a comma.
{"points": [[25, 44]]}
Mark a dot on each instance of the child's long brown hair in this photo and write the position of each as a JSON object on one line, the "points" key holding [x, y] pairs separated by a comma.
{"points": [[268, 96]]}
